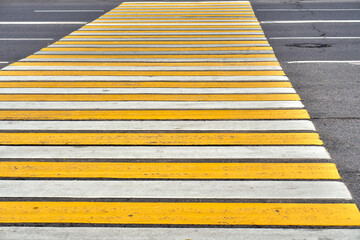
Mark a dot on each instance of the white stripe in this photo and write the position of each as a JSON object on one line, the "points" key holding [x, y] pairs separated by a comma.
{"points": [[159, 46], [81, 33], [172, 24], [137, 68], [206, 21], [315, 38], [26, 39], [152, 105], [139, 52], [3, 62], [214, 125], [163, 38], [164, 152], [312, 21], [306, 10], [55, 11], [109, 233], [41, 23], [145, 78], [324, 61], [176, 189], [144, 90]]}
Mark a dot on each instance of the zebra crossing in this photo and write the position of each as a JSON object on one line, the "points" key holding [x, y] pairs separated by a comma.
{"points": [[164, 120]]}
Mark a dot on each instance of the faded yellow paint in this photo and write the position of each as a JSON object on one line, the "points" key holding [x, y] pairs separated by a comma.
{"points": [[160, 139], [152, 114], [154, 56], [159, 42], [156, 170], [277, 214], [144, 49], [145, 85], [149, 97], [141, 73]]}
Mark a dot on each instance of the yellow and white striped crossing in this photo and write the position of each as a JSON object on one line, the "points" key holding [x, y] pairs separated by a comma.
{"points": [[164, 120]]}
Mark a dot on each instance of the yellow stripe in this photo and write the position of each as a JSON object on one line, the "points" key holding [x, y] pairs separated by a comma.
{"points": [[177, 13], [160, 139], [126, 4], [183, 18], [152, 114], [156, 14], [171, 31], [146, 64], [170, 36], [278, 214], [169, 170], [142, 73], [157, 56], [145, 84], [182, 8], [144, 49], [149, 97], [159, 42]]}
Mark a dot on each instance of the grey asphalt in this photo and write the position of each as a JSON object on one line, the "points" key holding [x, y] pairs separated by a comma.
{"points": [[330, 92]]}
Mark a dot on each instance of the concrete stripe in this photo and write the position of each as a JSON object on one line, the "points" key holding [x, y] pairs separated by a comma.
{"points": [[173, 170], [144, 90], [145, 78], [145, 49], [154, 114], [150, 152], [178, 10], [195, 21], [153, 105], [139, 52], [140, 68], [173, 37], [138, 18], [142, 73], [40, 23], [160, 139], [170, 64], [188, 213], [273, 125], [71, 233], [176, 189], [143, 85], [187, 14]]}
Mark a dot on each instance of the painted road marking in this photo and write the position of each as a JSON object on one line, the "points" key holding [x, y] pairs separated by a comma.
{"points": [[157, 139], [41, 23], [153, 114], [312, 21], [176, 189], [75, 233], [277, 214], [144, 90], [327, 61], [170, 153], [137, 68], [26, 39], [55, 11], [151, 105], [280, 38], [156, 170], [283, 125], [308, 10]]}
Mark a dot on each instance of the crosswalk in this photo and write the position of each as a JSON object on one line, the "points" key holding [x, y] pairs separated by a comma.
{"points": [[164, 120]]}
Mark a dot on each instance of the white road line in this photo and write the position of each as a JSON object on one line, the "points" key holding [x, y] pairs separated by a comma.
{"points": [[1, 62], [61, 11], [311, 21], [324, 61], [157, 45], [310, 9], [214, 125], [40, 23], [144, 90], [145, 78], [137, 68], [176, 189], [170, 153], [26, 39], [109, 233], [325, 38], [139, 52], [152, 105]]}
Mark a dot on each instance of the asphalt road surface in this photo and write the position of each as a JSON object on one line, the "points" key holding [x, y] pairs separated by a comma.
{"points": [[317, 47]]}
